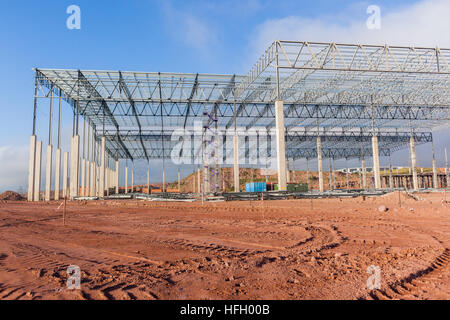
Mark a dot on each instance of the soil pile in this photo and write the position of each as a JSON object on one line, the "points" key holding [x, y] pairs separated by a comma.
{"points": [[11, 195]]}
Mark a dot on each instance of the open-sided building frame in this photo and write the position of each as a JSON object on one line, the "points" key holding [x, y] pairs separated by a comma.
{"points": [[309, 100]]}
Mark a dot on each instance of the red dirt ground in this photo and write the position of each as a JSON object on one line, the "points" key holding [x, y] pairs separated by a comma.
{"points": [[295, 249]]}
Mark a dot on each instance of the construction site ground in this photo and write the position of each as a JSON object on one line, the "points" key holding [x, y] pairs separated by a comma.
{"points": [[292, 249]]}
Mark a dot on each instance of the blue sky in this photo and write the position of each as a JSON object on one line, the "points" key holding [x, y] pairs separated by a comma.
{"points": [[176, 36]]}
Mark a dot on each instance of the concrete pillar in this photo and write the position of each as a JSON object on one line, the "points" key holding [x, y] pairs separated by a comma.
{"points": [[37, 172], [198, 181], [360, 179], [116, 176], [288, 175], [376, 162], [126, 179], [88, 164], [413, 163], [79, 176], [95, 175], [132, 179], [31, 167], [102, 185], [281, 149], [48, 172], [347, 174], [331, 175], [92, 179], [112, 179], [179, 181], [206, 182], [294, 174], [223, 179], [236, 163], [97, 180], [58, 174], [447, 174], [88, 178], [319, 163], [83, 177], [364, 173], [164, 180], [74, 166], [148, 180], [111, 176], [65, 174], [435, 184], [391, 181], [107, 179], [307, 173]]}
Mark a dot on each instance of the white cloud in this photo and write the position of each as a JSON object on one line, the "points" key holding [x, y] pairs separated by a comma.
{"points": [[14, 167], [195, 32], [188, 28], [425, 23]]}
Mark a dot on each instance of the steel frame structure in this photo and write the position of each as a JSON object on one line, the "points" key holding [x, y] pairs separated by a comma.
{"points": [[344, 93]]}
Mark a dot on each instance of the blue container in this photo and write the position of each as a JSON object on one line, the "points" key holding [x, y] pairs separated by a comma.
{"points": [[255, 187]]}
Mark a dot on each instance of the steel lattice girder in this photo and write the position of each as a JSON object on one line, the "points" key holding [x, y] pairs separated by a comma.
{"points": [[334, 144], [348, 73], [294, 153]]}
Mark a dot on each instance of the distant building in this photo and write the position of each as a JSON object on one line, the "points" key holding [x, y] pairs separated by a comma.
{"points": [[368, 169]]}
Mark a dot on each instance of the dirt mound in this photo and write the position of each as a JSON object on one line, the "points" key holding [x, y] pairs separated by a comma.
{"points": [[11, 195]]}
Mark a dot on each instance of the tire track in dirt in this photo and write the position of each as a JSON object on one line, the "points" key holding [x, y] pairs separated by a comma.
{"points": [[416, 284], [212, 248], [19, 222], [322, 238], [14, 293], [124, 282]]}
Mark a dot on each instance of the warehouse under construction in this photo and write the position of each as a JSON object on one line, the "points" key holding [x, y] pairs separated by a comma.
{"points": [[290, 184], [301, 100]]}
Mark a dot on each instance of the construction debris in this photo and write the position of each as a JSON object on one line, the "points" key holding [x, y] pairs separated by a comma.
{"points": [[11, 195]]}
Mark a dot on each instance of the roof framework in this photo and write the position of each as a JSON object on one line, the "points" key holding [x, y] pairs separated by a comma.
{"points": [[344, 93]]}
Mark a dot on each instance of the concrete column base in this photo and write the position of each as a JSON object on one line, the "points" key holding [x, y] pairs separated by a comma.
{"points": [[102, 185], [48, 173], [414, 163], [236, 163], [74, 167], [37, 172], [376, 162], [199, 181], [435, 178], [126, 179], [65, 174], [91, 179], [281, 148], [320, 164], [83, 178], [116, 176], [58, 174], [391, 181], [31, 168], [364, 173], [132, 180]]}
